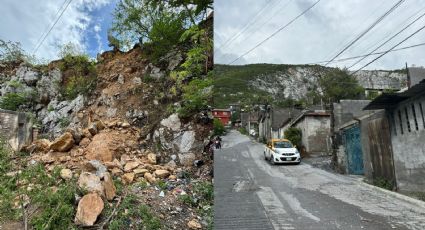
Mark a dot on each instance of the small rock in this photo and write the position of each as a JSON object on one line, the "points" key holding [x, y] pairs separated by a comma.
{"points": [[194, 224], [130, 166], [128, 178], [162, 194], [151, 158], [121, 79], [108, 184], [91, 183], [85, 142], [86, 133], [140, 171], [63, 143], [150, 178], [66, 174], [162, 173], [100, 125], [47, 158], [41, 145], [172, 177], [93, 129], [116, 172], [89, 208], [125, 125]]}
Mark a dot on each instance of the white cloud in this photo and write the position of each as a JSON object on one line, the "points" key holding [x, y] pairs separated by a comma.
{"points": [[25, 21], [318, 35]]}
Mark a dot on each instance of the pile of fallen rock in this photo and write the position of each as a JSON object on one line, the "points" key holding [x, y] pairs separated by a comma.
{"points": [[95, 155]]}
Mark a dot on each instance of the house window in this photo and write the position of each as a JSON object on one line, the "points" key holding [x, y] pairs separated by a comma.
{"points": [[414, 117], [407, 120], [422, 113], [400, 121]]}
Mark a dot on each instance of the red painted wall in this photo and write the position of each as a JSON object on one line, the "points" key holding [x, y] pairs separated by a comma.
{"points": [[223, 116]]}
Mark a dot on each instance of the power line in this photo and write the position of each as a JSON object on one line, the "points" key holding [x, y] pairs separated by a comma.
{"points": [[51, 28], [358, 28], [47, 28], [368, 29], [246, 26], [411, 35], [274, 14], [276, 32], [389, 39], [360, 56]]}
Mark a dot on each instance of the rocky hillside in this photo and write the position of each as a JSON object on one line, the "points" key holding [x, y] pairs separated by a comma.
{"points": [[251, 83], [115, 145]]}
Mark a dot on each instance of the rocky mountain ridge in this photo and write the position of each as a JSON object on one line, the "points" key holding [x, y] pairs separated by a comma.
{"points": [[290, 81]]}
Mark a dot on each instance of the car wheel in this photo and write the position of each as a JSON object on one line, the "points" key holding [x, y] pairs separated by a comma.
{"points": [[271, 160], [265, 157]]}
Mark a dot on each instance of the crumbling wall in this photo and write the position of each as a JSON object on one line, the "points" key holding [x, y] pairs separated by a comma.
{"points": [[15, 128], [315, 134]]}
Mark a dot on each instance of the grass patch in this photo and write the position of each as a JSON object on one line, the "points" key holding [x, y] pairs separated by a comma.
{"points": [[52, 197], [132, 214], [383, 183], [202, 198]]}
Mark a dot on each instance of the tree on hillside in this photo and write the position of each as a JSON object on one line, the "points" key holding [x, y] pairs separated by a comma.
{"points": [[153, 21], [338, 84]]}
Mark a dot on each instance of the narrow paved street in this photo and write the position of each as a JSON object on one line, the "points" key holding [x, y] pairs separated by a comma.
{"points": [[252, 194]]}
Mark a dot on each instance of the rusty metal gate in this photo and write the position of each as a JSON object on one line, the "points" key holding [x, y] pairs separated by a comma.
{"points": [[381, 150], [353, 149]]}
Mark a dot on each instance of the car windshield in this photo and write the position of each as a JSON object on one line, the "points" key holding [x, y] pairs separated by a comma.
{"points": [[282, 144]]}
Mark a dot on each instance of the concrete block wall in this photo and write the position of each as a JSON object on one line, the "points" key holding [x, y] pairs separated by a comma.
{"points": [[409, 145], [315, 134], [15, 128]]}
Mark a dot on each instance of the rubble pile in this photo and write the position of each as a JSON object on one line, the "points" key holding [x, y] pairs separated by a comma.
{"points": [[113, 150]]}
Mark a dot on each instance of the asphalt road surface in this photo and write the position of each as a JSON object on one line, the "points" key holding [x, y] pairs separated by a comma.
{"points": [[250, 193]]}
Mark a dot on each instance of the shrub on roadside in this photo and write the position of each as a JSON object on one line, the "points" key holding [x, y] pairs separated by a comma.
{"points": [[218, 127], [294, 136]]}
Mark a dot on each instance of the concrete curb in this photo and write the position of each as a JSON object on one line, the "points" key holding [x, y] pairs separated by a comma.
{"points": [[405, 198]]}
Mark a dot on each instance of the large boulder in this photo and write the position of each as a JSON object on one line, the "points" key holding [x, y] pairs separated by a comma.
{"points": [[102, 148], [41, 145], [185, 142], [89, 208], [63, 143], [91, 183], [172, 122], [108, 184]]}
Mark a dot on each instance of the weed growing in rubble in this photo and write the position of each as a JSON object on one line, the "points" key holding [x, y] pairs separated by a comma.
{"points": [[34, 189], [383, 183], [64, 122], [202, 198], [131, 213]]}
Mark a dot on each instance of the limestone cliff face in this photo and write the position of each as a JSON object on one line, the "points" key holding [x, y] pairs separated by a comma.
{"points": [[129, 90], [297, 81]]}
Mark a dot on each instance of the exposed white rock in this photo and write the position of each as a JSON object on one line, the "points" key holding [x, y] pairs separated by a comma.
{"points": [[172, 122]]}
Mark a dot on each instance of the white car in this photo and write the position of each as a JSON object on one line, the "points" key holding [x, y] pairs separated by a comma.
{"points": [[281, 151]]}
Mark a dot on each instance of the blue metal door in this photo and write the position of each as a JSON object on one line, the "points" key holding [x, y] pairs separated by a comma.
{"points": [[353, 150]]}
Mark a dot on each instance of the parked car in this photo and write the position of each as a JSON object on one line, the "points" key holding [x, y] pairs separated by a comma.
{"points": [[281, 151]]}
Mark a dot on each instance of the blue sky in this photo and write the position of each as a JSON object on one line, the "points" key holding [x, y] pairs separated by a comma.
{"points": [[103, 19], [84, 23]]}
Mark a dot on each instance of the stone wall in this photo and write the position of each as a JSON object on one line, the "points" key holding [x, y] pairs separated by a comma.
{"points": [[15, 128], [408, 143]]}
